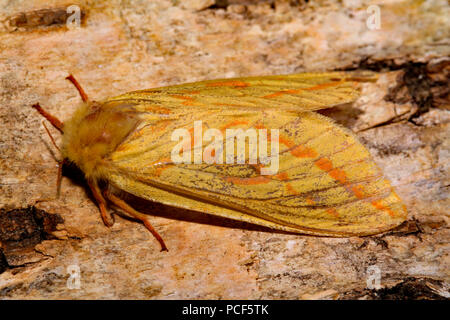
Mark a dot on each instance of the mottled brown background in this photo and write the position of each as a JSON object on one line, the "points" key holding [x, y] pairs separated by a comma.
{"points": [[127, 45]]}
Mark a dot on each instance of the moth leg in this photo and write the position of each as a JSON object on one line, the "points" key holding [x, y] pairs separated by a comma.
{"points": [[106, 217], [136, 214], [59, 178]]}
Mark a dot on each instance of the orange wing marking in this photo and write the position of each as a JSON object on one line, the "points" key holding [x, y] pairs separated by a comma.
{"points": [[294, 91], [236, 84]]}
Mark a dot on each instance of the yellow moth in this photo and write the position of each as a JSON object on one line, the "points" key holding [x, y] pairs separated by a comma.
{"points": [[172, 145]]}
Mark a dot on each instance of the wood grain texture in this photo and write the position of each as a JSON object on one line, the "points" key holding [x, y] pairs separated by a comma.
{"points": [[132, 45]]}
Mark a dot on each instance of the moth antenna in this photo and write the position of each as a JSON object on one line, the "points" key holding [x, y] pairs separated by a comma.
{"points": [[51, 137], [83, 94], [52, 119]]}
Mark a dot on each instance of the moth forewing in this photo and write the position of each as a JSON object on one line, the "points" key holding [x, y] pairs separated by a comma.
{"points": [[326, 183]]}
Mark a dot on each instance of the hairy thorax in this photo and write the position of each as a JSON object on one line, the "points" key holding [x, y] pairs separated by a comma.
{"points": [[93, 133]]}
